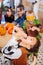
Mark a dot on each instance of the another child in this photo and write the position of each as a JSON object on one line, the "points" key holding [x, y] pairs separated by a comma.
{"points": [[30, 16], [29, 19]]}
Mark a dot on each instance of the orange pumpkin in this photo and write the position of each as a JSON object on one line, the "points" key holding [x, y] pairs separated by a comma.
{"points": [[2, 30], [10, 30], [9, 25]]}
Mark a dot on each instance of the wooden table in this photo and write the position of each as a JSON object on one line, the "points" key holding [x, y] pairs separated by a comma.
{"points": [[4, 39]]}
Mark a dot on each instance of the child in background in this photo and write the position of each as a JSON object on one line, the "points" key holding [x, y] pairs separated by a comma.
{"points": [[30, 16], [29, 19]]}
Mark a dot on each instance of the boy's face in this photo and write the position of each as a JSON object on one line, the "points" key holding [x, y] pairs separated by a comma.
{"points": [[20, 12]]}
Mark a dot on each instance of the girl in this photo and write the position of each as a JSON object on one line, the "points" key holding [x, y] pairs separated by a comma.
{"points": [[9, 17]]}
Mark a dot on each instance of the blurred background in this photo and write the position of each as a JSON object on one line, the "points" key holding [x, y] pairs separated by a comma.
{"points": [[4, 4]]}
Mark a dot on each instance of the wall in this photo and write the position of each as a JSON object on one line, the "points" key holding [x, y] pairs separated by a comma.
{"points": [[40, 12]]}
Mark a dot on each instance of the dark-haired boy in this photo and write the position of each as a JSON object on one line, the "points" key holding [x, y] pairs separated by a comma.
{"points": [[21, 15]]}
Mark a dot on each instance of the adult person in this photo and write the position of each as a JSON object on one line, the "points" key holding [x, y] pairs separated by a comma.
{"points": [[21, 15], [9, 17]]}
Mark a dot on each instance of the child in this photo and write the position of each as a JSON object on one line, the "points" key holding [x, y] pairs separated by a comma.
{"points": [[29, 19], [30, 16]]}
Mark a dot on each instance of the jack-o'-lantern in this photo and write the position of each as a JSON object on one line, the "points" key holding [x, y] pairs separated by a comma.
{"points": [[2, 30], [9, 25], [10, 30]]}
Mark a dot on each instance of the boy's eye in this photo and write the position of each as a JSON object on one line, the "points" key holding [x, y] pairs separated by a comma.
{"points": [[15, 31]]}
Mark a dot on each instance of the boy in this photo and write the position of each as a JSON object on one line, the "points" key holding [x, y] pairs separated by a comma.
{"points": [[21, 15]]}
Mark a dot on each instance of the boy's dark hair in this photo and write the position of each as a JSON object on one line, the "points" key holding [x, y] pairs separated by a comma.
{"points": [[20, 6], [36, 47]]}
